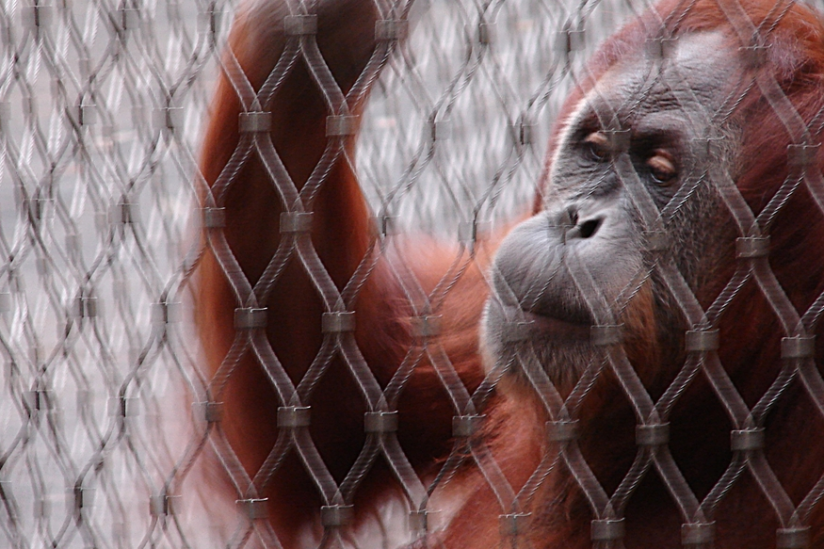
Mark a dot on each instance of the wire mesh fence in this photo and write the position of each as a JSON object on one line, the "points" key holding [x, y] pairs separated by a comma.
{"points": [[102, 106], [113, 431]]}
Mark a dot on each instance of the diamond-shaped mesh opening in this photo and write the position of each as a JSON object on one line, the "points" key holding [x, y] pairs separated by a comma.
{"points": [[782, 454]]}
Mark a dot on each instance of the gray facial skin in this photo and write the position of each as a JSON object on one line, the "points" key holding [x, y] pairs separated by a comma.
{"points": [[586, 259]]}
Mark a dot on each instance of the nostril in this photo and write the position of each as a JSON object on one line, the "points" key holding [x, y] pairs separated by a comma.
{"points": [[590, 227]]}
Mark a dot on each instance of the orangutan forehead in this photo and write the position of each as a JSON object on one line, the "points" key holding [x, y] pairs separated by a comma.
{"points": [[697, 74]]}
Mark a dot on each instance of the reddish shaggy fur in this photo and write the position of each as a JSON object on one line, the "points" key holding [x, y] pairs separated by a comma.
{"points": [[343, 237]]}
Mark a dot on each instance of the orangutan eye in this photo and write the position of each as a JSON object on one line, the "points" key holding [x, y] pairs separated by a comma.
{"points": [[661, 166], [596, 147]]}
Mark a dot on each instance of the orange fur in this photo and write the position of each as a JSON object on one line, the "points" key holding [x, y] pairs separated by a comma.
{"points": [[514, 432]]}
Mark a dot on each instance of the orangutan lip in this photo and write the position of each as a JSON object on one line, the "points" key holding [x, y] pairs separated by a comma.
{"points": [[555, 328]]}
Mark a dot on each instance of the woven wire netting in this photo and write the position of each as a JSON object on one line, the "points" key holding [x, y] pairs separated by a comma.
{"points": [[104, 105], [103, 108]]}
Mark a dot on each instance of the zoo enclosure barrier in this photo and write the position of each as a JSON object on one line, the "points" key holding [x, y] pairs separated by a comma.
{"points": [[103, 108]]}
